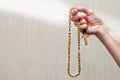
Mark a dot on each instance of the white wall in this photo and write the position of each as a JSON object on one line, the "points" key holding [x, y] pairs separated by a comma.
{"points": [[33, 41]]}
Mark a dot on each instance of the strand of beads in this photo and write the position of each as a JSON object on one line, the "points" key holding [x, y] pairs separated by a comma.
{"points": [[69, 49]]}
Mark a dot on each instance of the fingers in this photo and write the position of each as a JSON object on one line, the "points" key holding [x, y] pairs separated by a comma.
{"points": [[87, 19], [74, 11], [80, 12], [83, 25], [82, 9], [78, 16], [83, 21]]}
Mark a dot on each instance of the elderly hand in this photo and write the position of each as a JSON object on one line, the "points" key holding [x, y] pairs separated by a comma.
{"points": [[88, 20]]}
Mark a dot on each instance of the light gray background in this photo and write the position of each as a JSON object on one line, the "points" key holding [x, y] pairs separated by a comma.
{"points": [[33, 40]]}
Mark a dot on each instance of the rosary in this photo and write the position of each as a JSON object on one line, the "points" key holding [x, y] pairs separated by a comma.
{"points": [[69, 46]]}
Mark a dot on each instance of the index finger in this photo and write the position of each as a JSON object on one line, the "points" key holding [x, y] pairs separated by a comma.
{"points": [[74, 11], [83, 9]]}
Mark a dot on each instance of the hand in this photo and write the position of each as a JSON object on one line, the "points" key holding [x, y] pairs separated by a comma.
{"points": [[88, 20]]}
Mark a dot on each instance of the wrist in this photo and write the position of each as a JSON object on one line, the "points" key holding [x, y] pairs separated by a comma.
{"points": [[102, 31]]}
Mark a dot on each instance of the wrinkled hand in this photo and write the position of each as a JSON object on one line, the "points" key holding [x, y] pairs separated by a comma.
{"points": [[88, 20]]}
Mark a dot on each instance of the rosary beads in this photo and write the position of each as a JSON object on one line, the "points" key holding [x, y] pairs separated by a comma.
{"points": [[69, 47]]}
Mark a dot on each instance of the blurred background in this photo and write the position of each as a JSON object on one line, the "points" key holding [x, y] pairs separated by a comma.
{"points": [[33, 40]]}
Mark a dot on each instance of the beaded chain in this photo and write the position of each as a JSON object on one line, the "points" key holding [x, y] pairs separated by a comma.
{"points": [[69, 46]]}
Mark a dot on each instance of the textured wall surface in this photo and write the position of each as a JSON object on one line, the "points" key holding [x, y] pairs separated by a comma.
{"points": [[36, 48]]}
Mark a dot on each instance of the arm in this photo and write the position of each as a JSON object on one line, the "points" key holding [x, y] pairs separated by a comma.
{"points": [[95, 26], [110, 41]]}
